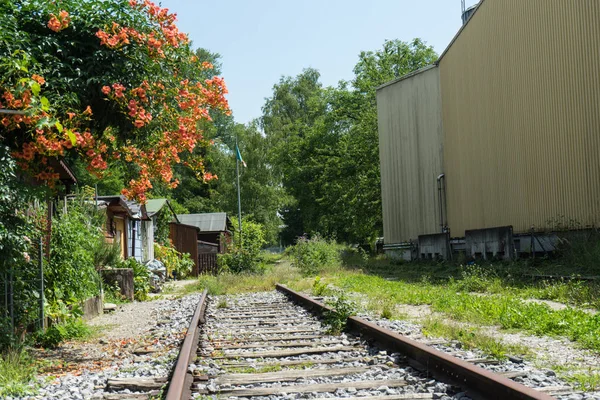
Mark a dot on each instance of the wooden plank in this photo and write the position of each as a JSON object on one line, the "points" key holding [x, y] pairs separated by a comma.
{"points": [[130, 396], [290, 321], [264, 331], [555, 390], [263, 344], [284, 363], [405, 396], [289, 353], [319, 387], [237, 316], [513, 374], [135, 384], [286, 376], [275, 339]]}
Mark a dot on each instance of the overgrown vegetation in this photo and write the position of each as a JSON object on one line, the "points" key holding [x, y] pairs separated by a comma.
{"points": [[244, 252], [70, 329], [471, 338], [230, 283], [342, 309], [315, 255], [178, 265], [17, 370]]}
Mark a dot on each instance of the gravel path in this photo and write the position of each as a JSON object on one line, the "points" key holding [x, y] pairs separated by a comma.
{"points": [[140, 340]]}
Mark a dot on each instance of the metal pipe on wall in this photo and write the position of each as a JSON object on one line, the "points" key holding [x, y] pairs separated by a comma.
{"points": [[442, 200]]}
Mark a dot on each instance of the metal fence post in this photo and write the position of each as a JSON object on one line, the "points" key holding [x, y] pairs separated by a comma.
{"points": [[11, 300], [41, 265]]}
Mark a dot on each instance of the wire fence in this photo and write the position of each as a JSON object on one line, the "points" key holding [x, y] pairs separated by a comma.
{"points": [[22, 298]]}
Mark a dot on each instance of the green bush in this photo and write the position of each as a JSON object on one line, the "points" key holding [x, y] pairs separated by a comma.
{"points": [[247, 256], [71, 276], [315, 255], [178, 265], [58, 333]]}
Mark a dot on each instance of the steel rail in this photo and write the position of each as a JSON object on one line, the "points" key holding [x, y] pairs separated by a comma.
{"points": [[483, 383], [181, 381]]}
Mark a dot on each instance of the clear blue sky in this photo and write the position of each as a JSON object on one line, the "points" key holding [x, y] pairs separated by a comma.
{"points": [[262, 40]]}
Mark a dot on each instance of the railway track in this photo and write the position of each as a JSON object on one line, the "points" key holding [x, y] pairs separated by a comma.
{"points": [[273, 345]]}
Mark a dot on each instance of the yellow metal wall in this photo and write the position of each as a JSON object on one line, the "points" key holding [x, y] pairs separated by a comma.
{"points": [[410, 151], [521, 112]]}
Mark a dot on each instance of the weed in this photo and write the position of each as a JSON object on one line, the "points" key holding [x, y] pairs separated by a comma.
{"points": [[228, 283], [58, 333], [315, 255], [16, 373], [304, 365], [587, 381], [319, 288], [387, 312], [471, 338], [337, 319], [222, 303]]}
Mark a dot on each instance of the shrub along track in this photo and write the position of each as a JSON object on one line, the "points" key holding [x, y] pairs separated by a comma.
{"points": [[263, 345]]}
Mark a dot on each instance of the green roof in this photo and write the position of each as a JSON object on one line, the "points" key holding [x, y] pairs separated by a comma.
{"points": [[155, 205]]}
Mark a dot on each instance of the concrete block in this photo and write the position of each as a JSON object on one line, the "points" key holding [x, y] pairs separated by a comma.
{"points": [[124, 279], [490, 243], [92, 307], [435, 246]]}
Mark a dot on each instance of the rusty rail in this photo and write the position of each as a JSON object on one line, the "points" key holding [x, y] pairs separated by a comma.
{"points": [[181, 381], [483, 383]]}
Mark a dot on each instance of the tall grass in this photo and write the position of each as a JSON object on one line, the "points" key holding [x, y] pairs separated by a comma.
{"points": [[17, 371]]}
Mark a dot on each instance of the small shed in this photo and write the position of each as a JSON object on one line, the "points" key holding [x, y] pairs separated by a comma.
{"points": [[124, 224], [203, 236], [212, 227], [153, 226]]}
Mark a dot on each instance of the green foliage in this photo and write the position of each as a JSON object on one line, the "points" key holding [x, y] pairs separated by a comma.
{"points": [[261, 194], [337, 319], [105, 253], [245, 256], [222, 303], [17, 371], [324, 144], [312, 256], [470, 338], [177, 264], [319, 288], [58, 333], [141, 278], [71, 276], [508, 310]]}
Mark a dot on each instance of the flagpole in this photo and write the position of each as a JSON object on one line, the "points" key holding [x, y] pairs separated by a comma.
{"points": [[237, 173]]}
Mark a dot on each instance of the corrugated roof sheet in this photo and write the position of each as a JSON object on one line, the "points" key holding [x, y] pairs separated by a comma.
{"points": [[208, 222]]}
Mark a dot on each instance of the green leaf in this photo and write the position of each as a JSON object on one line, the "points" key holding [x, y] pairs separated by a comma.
{"points": [[58, 126], [35, 88], [45, 104], [72, 136]]}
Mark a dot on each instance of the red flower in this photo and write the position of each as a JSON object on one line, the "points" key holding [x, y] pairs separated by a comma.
{"points": [[106, 89]]}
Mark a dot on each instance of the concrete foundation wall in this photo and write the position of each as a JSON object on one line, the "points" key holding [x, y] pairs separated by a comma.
{"points": [[490, 243]]}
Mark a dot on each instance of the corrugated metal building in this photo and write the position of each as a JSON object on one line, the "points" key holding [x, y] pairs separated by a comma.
{"points": [[410, 152], [520, 100]]}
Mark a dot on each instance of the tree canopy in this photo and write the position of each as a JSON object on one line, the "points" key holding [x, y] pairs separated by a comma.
{"points": [[324, 144], [104, 80]]}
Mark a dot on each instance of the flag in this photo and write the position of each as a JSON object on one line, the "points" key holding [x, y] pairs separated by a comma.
{"points": [[239, 156]]}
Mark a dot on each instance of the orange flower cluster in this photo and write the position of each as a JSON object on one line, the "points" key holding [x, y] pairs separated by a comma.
{"points": [[166, 34], [175, 134], [59, 23]]}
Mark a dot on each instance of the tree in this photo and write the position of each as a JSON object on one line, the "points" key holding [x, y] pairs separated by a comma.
{"points": [[261, 193], [103, 80], [324, 144]]}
